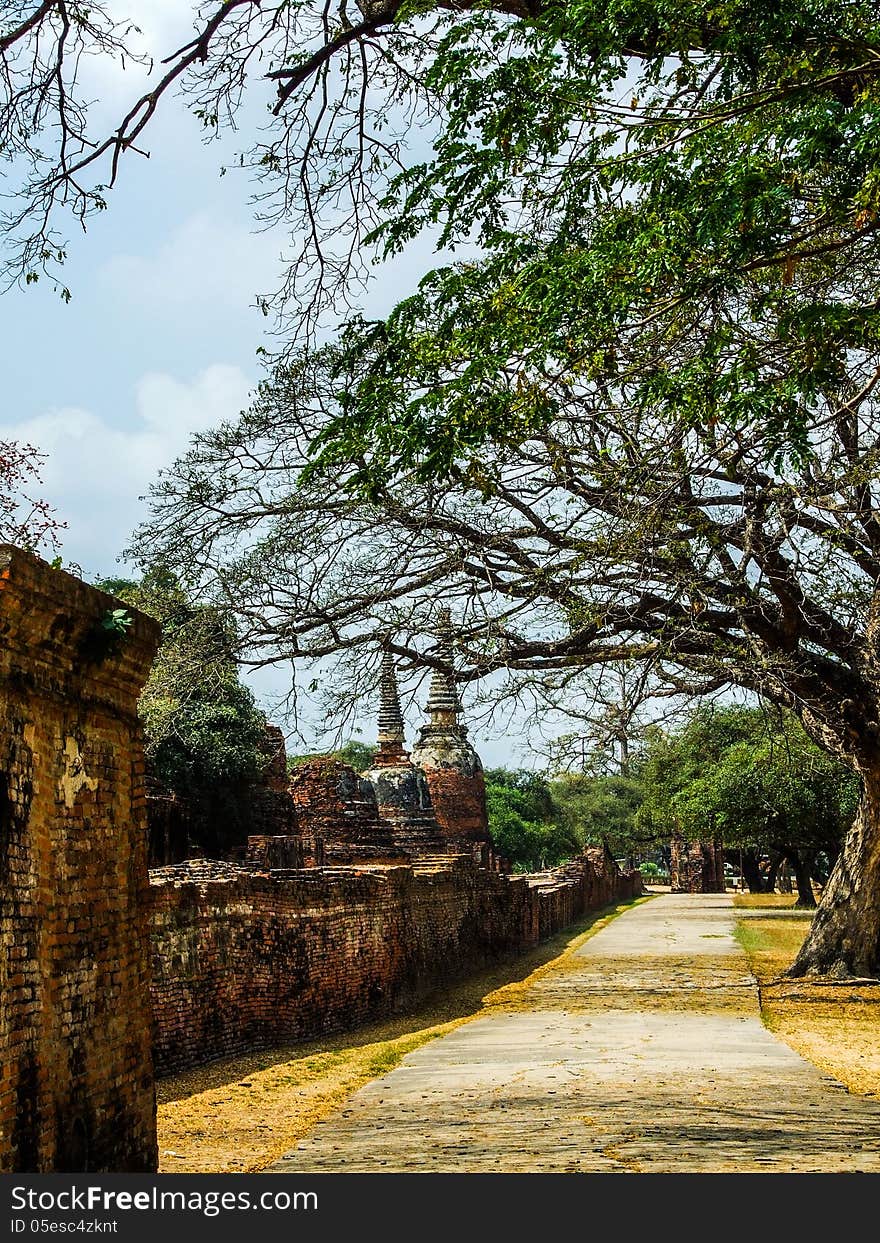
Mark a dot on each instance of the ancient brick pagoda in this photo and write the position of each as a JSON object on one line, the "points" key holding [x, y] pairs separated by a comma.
{"points": [[696, 867], [404, 808], [451, 765], [402, 791]]}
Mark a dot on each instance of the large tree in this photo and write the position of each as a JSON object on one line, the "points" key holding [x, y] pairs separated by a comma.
{"points": [[204, 734], [619, 532], [641, 427], [747, 130]]}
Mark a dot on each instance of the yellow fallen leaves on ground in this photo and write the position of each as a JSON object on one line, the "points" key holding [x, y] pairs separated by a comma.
{"points": [[836, 1026]]}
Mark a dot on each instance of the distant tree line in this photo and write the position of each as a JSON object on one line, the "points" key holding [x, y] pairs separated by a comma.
{"points": [[751, 777], [359, 755]]}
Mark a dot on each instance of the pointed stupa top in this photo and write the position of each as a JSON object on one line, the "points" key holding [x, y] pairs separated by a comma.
{"points": [[401, 788], [391, 730], [443, 704], [447, 758], [390, 716]]}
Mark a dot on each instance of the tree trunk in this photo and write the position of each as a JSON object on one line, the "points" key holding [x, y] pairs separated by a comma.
{"points": [[720, 878], [844, 940], [772, 870], [752, 872], [800, 863]]}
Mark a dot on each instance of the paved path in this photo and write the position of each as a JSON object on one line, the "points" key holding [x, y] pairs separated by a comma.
{"points": [[644, 1051]]}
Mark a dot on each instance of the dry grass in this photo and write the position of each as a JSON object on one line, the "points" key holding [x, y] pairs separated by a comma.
{"points": [[243, 1113], [836, 1027], [778, 901]]}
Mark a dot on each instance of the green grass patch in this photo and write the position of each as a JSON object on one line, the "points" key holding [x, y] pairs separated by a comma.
{"points": [[771, 944]]}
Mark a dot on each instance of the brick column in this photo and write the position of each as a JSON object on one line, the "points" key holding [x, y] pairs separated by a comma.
{"points": [[76, 1085]]}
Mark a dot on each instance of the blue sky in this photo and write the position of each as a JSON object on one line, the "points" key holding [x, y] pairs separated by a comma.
{"points": [[160, 337]]}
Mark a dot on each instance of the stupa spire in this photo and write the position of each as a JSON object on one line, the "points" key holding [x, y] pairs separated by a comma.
{"points": [[391, 730], [402, 793], [444, 753], [443, 704]]}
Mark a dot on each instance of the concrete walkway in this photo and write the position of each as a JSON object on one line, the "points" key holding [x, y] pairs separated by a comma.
{"points": [[644, 1051]]}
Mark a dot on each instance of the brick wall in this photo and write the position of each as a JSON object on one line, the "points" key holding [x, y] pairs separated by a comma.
{"points": [[76, 1081], [459, 800], [246, 959]]}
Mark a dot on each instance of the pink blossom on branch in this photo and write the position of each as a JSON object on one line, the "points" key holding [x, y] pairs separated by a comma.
{"points": [[25, 519]]}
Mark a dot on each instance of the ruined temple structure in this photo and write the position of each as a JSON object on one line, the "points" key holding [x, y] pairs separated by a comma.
{"points": [[169, 839], [271, 807], [451, 765], [76, 1073], [401, 787], [696, 867], [402, 809], [433, 803], [274, 838], [338, 817]]}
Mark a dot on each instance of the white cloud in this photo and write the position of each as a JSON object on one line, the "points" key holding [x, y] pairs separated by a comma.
{"points": [[206, 261], [96, 472]]}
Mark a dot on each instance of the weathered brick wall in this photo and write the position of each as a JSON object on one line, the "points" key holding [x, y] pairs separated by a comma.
{"points": [[246, 959], [459, 800], [76, 1082]]}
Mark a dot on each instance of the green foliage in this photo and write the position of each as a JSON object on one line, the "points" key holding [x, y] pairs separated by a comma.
{"points": [[525, 822], [117, 621], [603, 810], [755, 778], [359, 755], [694, 247], [751, 776], [203, 730]]}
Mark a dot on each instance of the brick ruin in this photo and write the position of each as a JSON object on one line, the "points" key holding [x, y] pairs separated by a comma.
{"points": [[403, 808], [403, 795], [450, 764], [338, 817], [249, 957], [380, 893], [354, 893], [696, 867], [76, 1084]]}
